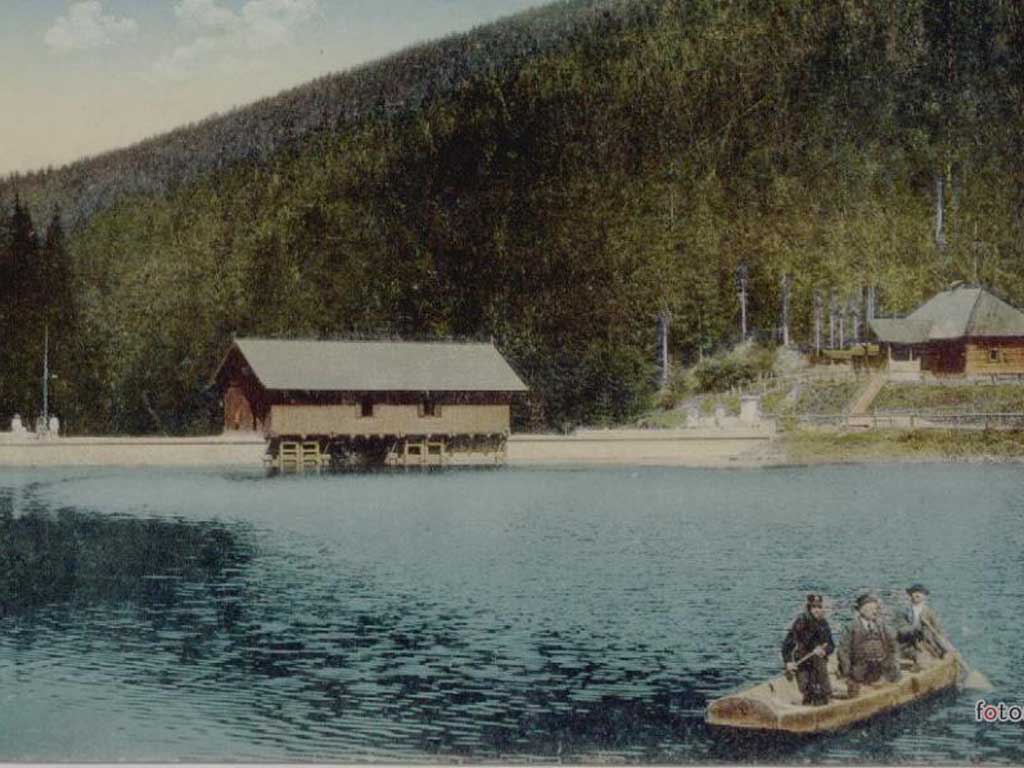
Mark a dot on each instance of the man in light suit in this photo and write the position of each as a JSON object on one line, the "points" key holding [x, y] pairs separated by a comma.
{"points": [[920, 629]]}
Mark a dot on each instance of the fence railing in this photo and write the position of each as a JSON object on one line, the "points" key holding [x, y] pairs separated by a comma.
{"points": [[949, 417], [844, 373], [822, 419], [955, 380], [910, 420]]}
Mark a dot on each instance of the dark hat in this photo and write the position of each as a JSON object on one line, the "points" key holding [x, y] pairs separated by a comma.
{"points": [[863, 600], [815, 600], [917, 588]]}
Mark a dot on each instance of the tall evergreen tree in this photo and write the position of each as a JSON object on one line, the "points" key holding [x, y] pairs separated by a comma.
{"points": [[55, 275], [23, 307], [6, 275]]}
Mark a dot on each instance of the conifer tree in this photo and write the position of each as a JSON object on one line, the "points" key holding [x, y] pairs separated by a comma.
{"points": [[23, 292], [56, 274], [5, 263]]}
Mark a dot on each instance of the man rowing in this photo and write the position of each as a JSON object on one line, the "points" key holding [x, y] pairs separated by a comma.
{"points": [[868, 649], [806, 649], [921, 629]]}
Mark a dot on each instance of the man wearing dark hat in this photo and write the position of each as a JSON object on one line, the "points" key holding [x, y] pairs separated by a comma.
{"points": [[867, 652], [921, 629], [806, 649]]}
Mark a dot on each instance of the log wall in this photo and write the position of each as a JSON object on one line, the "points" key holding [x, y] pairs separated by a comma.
{"points": [[1009, 354]]}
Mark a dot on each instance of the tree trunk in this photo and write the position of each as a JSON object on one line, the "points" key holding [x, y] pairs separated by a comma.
{"points": [[940, 212], [664, 320], [817, 322]]}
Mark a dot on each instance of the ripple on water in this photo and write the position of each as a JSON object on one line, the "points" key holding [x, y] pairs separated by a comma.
{"points": [[514, 616]]}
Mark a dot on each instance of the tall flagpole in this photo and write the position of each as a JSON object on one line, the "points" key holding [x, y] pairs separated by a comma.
{"points": [[46, 376]]}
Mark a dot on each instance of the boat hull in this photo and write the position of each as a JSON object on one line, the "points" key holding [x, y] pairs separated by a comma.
{"points": [[775, 705]]}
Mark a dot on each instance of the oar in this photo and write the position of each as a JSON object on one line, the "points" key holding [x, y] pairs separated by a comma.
{"points": [[805, 658], [970, 678], [789, 672]]}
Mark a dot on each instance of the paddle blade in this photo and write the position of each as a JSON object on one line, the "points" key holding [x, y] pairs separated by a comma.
{"points": [[976, 681]]}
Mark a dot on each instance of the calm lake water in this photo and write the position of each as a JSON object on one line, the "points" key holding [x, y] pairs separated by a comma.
{"points": [[505, 615]]}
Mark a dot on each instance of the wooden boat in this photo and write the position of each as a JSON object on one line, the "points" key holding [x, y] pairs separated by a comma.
{"points": [[775, 705]]}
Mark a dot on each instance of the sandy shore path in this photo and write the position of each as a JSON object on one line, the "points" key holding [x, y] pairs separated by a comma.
{"points": [[132, 451], [669, 447], [692, 447]]}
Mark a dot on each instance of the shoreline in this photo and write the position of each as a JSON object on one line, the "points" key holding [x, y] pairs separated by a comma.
{"points": [[698, 449], [131, 451]]}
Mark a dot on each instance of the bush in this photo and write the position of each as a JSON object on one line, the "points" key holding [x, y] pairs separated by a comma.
{"points": [[741, 367], [680, 384], [731, 403], [719, 375], [762, 359]]}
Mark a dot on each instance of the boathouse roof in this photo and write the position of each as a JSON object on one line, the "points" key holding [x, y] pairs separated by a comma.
{"points": [[961, 312], [375, 366]]}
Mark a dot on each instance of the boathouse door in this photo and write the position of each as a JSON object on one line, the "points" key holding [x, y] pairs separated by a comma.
{"points": [[238, 415]]}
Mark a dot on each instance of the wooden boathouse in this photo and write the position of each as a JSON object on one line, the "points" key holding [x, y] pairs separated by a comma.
{"points": [[376, 402], [964, 331]]}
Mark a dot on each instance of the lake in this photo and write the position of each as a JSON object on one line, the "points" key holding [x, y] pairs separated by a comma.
{"points": [[575, 615]]}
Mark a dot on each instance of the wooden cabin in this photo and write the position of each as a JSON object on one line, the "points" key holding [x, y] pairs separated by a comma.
{"points": [[370, 401], [964, 331]]}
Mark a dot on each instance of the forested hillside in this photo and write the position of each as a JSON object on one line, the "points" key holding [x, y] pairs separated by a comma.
{"points": [[556, 202], [381, 90]]}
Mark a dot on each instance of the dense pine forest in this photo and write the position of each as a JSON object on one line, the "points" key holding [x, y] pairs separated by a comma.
{"points": [[553, 182]]}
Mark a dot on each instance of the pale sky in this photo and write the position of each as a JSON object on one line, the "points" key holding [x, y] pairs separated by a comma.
{"points": [[78, 77]]}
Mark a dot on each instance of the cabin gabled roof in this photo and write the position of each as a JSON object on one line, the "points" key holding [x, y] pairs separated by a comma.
{"points": [[375, 366], [962, 312]]}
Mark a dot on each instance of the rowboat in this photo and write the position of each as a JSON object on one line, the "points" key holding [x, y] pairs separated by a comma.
{"points": [[775, 705]]}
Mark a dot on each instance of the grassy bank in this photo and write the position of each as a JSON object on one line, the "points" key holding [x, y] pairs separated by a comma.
{"points": [[814, 447], [980, 398]]}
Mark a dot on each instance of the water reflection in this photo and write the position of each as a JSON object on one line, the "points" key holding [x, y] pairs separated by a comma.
{"points": [[71, 557]]}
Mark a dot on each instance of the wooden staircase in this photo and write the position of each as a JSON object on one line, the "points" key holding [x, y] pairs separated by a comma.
{"points": [[419, 452], [862, 401], [300, 455]]}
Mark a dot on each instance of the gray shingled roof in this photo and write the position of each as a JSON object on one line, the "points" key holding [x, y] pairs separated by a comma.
{"points": [[378, 366], [962, 312]]}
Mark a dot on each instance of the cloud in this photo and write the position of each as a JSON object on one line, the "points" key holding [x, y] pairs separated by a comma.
{"points": [[269, 23], [205, 13], [86, 26], [183, 61], [231, 41]]}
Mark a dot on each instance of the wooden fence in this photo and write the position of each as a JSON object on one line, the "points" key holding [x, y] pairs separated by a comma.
{"points": [[945, 417]]}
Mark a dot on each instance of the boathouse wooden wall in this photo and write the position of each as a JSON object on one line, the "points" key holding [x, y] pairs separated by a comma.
{"points": [[977, 357], [995, 356], [248, 407], [388, 419]]}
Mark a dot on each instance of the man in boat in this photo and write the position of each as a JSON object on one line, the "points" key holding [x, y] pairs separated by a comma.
{"points": [[806, 649], [868, 649], [921, 630]]}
